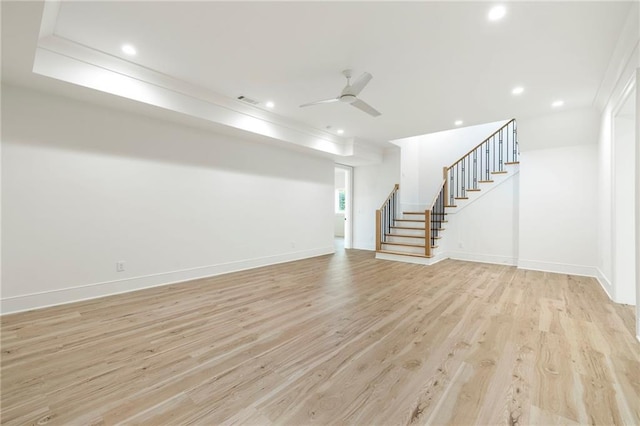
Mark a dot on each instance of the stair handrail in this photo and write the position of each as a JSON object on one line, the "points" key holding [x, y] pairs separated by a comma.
{"points": [[435, 199], [386, 217], [395, 189], [482, 143]]}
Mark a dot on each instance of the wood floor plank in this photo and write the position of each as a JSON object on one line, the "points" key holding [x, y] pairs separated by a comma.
{"points": [[344, 339]]}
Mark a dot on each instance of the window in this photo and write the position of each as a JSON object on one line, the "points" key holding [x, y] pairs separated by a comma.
{"points": [[340, 201]]}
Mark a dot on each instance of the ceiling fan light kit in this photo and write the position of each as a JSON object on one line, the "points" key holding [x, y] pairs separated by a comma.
{"points": [[349, 94]]}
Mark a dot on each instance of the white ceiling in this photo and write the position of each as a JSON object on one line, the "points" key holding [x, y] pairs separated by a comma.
{"points": [[432, 62]]}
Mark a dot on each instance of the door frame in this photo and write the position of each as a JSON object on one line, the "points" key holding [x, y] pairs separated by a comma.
{"points": [[348, 209]]}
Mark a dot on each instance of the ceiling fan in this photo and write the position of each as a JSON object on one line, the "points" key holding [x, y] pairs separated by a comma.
{"points": [[350, 93]]}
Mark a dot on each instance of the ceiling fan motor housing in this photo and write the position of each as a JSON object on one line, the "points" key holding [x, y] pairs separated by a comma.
{"points": [[348, 98]]}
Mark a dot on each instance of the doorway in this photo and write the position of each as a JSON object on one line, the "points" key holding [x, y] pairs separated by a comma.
{"points": [[342, 226]]}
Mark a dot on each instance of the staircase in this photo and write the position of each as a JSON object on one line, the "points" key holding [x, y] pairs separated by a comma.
{"points": [[414, 236]]}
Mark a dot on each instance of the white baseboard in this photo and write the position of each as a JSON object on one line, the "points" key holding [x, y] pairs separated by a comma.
{"points": [[410, 259], [482, 258], [63, 296], [558, 268], [604, 283], [360, 245]]}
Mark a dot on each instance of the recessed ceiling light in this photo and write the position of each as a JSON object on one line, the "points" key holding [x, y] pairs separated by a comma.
{"points": [[128, 49], [270, 104], [517, 90], [497, 12], [458, 122], [557, 103], [340, 131]]}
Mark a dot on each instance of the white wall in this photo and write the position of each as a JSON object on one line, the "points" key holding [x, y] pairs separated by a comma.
{"points": [[424, 156], [624, 249], [372, 184], [558, 210], [84, 187], [558, 196], [486, 229]]}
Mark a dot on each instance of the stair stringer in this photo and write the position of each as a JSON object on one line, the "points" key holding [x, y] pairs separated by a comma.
{"points": [[485, 188]]}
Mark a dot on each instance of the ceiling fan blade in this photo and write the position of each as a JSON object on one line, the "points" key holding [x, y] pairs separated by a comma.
{"points": [[360, 83], [326, 101], [362, 105]]}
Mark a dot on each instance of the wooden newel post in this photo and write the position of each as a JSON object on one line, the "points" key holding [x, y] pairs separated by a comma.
{"points": [[445, 176], [378, 226], [427, 233]]}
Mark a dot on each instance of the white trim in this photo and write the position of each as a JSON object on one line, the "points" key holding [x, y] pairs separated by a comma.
{"points": [[604, 283], [483, 258], [95, 290], [348, 213], [558, 268], [361, 245], [427, 261]]}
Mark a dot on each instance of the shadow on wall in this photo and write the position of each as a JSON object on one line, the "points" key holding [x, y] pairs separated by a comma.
{"points": [[59, 123]]}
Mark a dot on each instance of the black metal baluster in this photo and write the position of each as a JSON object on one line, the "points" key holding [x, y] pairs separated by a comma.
{"points": [[487, 162], [475, 169], [469, 171], [516, 153], [500, 160], [457, 181], [393, 206], [481, 169], [383, 226], [493, 154], [451, 183], [462, 181], [390, 224]]}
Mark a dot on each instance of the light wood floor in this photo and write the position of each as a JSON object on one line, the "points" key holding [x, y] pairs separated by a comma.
{"points": [[343, 339]]}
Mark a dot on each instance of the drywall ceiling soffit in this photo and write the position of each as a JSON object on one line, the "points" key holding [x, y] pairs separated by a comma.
{"points": [[433, 63], [65, 60]]}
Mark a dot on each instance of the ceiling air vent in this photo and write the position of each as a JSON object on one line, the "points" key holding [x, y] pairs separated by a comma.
{"points": [[248, 100]]}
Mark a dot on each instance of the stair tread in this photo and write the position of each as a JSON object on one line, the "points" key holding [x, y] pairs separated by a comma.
{"points": [[405, 236], [485, 181], [422, 213], [407, 227], [509, 163], [409, 220], [499, 172]]}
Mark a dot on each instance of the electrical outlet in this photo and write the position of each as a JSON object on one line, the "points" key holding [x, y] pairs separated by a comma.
{"points": [[120, 266]]}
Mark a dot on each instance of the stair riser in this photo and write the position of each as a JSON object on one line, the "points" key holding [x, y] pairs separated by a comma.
{"points": [[410, 224], [401, 232], [413, 216], [403, 249], [407, 240]]}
